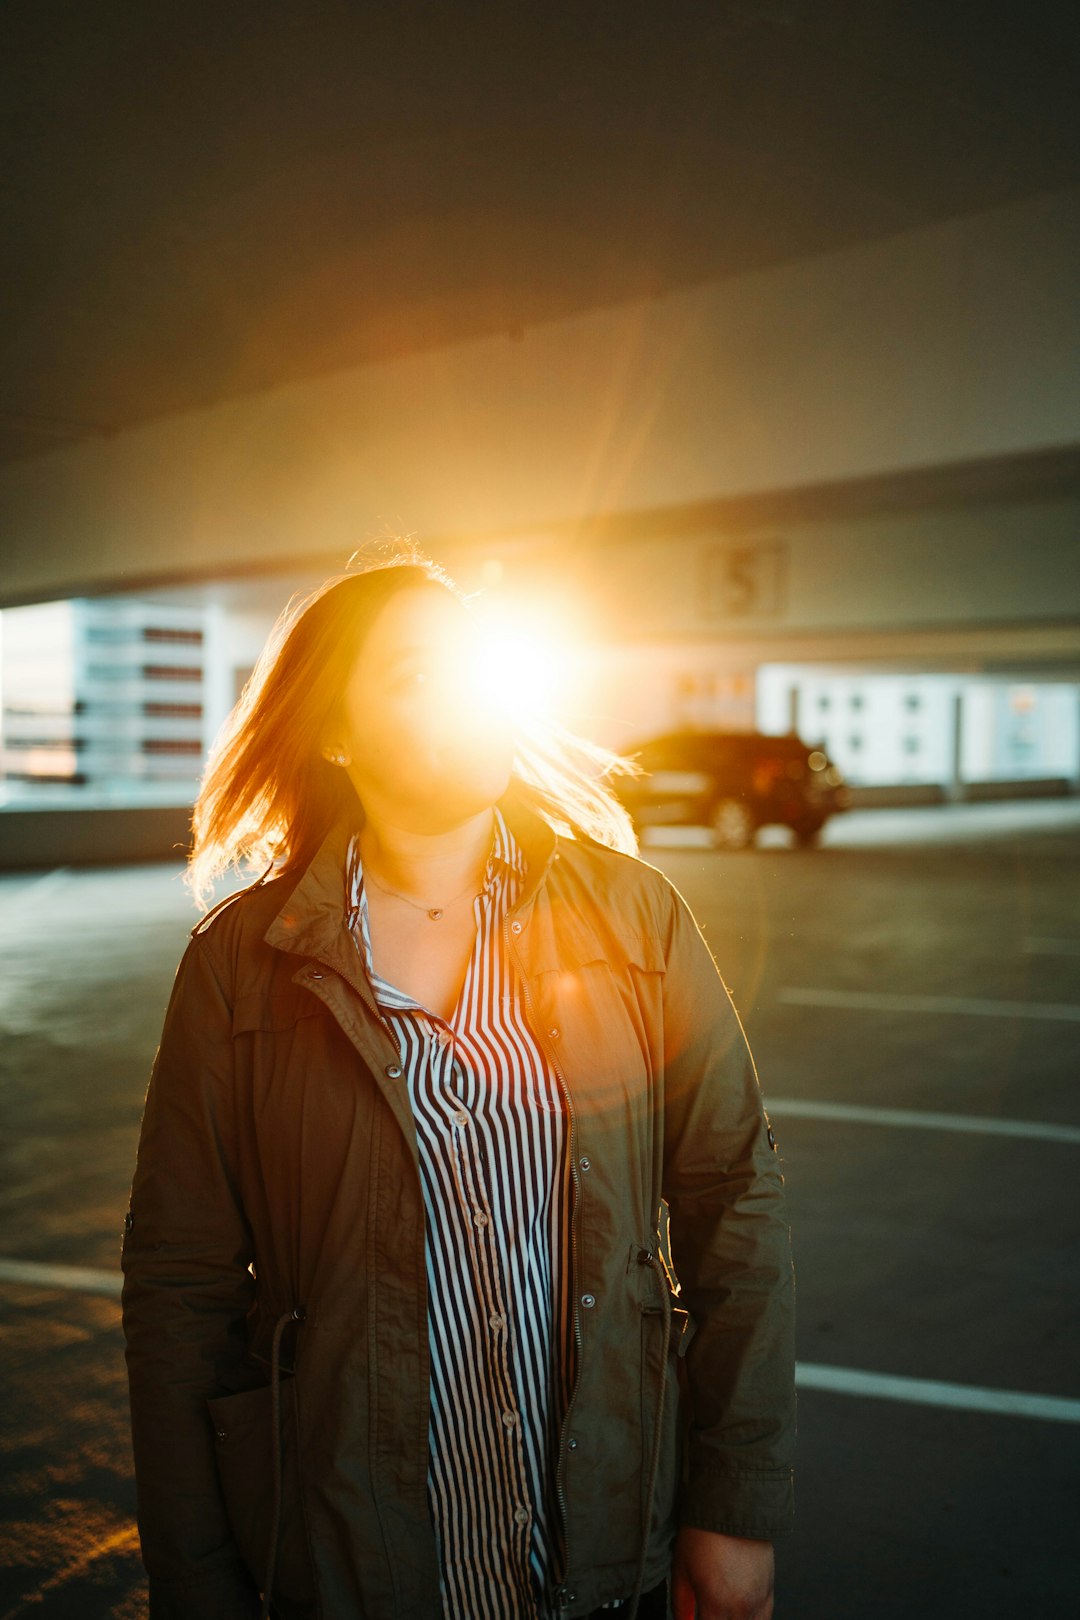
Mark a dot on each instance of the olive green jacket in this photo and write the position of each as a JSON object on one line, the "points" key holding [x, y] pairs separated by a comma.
{"points": [[277, 1187]]}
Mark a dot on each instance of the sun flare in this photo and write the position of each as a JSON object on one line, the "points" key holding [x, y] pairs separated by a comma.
{"points": [[514, 658]]}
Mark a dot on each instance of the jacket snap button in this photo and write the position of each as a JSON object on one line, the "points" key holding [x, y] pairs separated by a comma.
{"points": [[571, 1445], [222, 1434], [299, 1314], [515, 928], [588, 1300], [554, 1033], [586, 1164], [393, 1071], [315, 974]]}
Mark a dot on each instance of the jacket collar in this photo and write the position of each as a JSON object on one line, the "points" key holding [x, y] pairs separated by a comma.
{"points": [[313, 922]]}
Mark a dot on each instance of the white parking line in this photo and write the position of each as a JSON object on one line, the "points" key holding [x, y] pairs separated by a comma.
{"points": [[929, 1392], [883, 1001], [77, 1279], [796, 1107]]}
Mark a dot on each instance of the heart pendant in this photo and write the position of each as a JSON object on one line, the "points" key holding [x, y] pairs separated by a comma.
{"points": [[435, 913]]}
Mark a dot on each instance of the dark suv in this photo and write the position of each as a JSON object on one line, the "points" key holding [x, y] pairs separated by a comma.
{"points": [[733, 782]]}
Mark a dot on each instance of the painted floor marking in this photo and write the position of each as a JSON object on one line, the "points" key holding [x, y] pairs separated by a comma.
{"points": [[796, 1107], [929, 1392], [78, 1279], [882, 1001]]}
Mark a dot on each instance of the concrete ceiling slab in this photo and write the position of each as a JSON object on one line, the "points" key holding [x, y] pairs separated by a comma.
{"points": [[208, 201]]}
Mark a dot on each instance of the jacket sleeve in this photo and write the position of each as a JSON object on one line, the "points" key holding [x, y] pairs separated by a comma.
{"points": [[186, 1292], [731, 1249]]}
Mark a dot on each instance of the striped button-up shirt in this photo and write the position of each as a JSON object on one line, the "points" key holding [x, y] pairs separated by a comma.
{"points": [[491, 1130]]}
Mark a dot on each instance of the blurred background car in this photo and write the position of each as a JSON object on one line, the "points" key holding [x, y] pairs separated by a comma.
{"points": [[733, 783]]}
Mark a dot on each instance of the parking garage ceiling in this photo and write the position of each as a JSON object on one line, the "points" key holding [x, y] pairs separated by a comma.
{"points": [[208, 201]]}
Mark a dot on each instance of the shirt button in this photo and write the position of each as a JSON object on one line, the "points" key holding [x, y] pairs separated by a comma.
{"points": [[521, 1515], [497, 1321], [461, 1118], [393, 1071], [480, 1218], [509, 1418], [588, 1300]]}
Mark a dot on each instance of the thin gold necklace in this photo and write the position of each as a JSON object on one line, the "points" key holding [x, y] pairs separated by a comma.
{"points": [[434, 912]]}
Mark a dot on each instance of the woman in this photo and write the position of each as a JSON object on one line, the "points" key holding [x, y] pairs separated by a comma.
{"points": [[404, 1335]]}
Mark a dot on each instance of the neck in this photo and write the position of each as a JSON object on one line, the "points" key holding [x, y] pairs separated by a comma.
{"points": [[427, 866]]}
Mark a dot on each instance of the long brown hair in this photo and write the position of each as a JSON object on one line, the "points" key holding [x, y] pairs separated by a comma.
{"points": [[268, 796]]}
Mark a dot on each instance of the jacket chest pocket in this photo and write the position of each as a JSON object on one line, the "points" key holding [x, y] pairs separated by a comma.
{"points": [[608, 1017]]}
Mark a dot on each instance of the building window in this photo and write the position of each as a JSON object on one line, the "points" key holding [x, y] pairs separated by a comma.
{"points": [[171, 672], [153, 632]]}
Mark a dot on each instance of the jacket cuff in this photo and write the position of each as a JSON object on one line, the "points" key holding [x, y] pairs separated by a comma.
{"points": [[757, 1503]]}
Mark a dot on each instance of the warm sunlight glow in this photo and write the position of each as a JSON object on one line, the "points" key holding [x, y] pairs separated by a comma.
{"points": [[515, 670], [514, 659]]}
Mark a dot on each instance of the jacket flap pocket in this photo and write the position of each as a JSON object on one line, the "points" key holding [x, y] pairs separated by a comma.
{"points": [[244, 1452], [638, 950], [682, 1323]]}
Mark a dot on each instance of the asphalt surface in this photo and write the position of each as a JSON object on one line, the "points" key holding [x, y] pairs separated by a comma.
{"points": [[924, 961]]}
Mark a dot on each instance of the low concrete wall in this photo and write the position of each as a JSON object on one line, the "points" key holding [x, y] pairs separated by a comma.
{"points": [[1050, 787], [894, 796], [114, 837], [84, 837]]}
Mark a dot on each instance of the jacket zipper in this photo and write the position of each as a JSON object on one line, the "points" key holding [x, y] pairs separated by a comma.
{"points": [[575, 1272]]}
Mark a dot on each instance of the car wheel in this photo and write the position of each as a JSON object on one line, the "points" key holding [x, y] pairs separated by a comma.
{"points": [[808, 834], [731, 824]]}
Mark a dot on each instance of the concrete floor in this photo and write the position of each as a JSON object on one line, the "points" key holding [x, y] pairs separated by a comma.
{"points": [[943, 1255]]}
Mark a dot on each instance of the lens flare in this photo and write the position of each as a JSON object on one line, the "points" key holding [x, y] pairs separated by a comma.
{"points": [[513, 670]]}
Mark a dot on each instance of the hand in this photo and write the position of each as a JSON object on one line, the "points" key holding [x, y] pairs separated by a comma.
{"points": [[717, 1577]]}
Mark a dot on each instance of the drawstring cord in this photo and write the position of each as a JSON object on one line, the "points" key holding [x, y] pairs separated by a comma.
{"points": [[295, 1315], [646, 1257]]}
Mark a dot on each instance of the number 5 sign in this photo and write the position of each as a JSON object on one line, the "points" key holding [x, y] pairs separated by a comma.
{"points": [[745, 580]]}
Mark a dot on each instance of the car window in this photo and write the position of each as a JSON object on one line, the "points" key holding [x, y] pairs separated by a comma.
{"points": [[667, 754]]}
